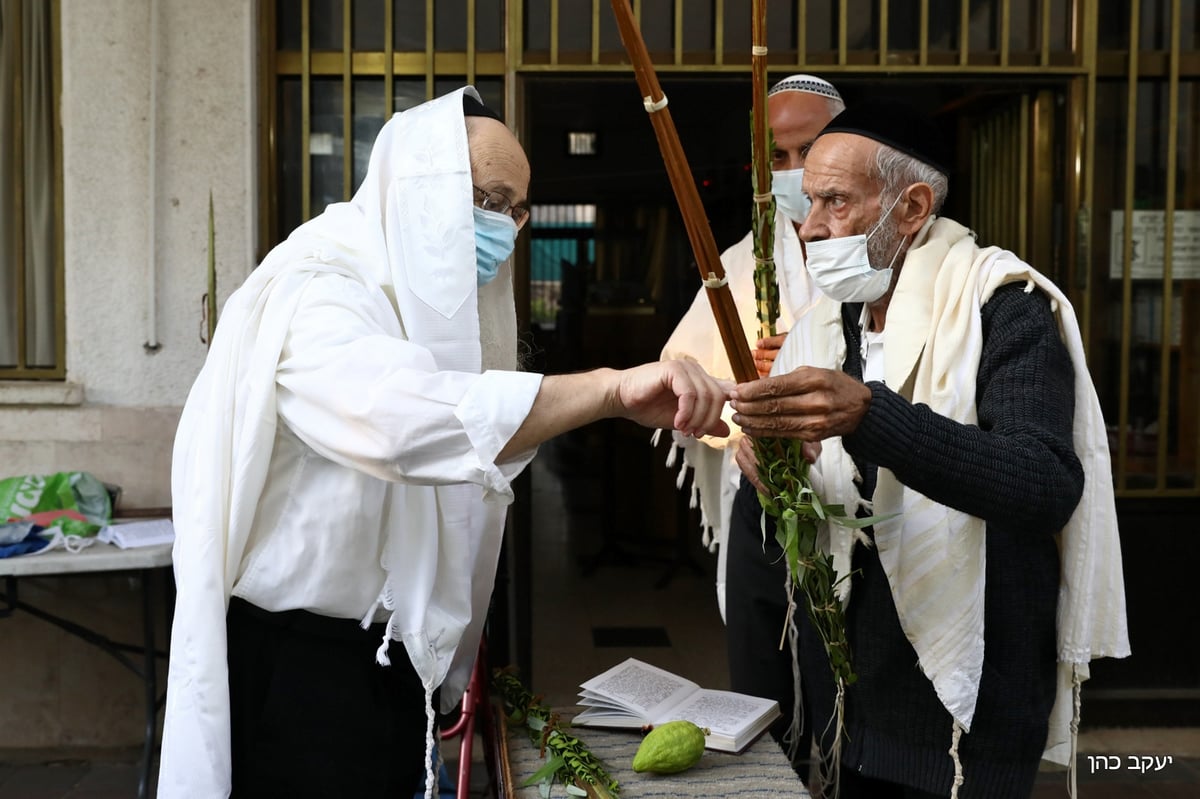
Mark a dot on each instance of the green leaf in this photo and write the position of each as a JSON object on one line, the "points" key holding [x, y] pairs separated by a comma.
{"points": [[792, 548], [818, 508], [866, 521], [546, 772], [808, 537]]}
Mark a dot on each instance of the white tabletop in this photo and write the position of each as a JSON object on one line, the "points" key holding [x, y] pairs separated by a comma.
{"points": [[99, 557]]}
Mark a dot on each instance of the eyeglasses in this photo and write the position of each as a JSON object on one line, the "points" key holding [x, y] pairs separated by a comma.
{"points": [[495, 201]]}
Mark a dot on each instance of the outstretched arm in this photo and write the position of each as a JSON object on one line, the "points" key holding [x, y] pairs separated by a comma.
{"points": [[670, 394]]}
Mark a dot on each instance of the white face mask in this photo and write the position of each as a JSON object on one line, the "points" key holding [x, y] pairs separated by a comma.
{"points": [[789, 197], [841, 267]]}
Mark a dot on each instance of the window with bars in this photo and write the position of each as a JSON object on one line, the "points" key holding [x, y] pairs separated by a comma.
{"points": [[897, 33], [562, 252], [31, 307], [338, 69], [1145, 293]]}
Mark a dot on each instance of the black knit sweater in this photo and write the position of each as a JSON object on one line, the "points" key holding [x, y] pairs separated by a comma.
{"points": [[1018, 472]]}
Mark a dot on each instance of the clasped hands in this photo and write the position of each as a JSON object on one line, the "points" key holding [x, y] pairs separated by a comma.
{"points": [[808, 403]]}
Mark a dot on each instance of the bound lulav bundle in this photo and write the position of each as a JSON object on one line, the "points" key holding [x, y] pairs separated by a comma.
{"points": [[782, 468]]}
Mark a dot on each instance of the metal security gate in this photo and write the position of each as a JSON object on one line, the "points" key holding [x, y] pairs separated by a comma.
{"points": [[1084, 167], [1147, 223]]}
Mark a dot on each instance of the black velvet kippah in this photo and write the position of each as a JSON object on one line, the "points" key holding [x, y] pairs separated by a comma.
{"points": [[897, 125], [474, 108]]}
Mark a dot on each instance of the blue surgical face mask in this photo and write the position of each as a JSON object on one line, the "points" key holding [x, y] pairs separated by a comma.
{"points": [[495, 237], [789, 197]]}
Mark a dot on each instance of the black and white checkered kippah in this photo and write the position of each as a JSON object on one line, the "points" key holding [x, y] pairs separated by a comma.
{"points": [[805, 83]]}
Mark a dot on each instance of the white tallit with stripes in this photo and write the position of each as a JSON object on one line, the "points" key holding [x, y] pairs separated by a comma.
{"points": [[408, 234], [933, 555]]}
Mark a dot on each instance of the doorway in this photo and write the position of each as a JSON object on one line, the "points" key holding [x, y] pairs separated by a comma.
{"points": [[610, 272]]}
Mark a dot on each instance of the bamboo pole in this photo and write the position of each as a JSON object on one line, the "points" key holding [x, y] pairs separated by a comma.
{"points": [[704, 248]]}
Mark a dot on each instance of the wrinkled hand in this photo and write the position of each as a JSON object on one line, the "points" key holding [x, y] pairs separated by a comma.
{"points": [[808, 403], [675, 394], [747, 460], [765, 351]]}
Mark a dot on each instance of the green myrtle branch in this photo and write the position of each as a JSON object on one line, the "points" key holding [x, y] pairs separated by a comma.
{"points": [[570, 761]]}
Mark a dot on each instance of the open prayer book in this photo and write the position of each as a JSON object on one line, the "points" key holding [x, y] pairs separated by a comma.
{"points": [[138, 534], [634, 694]]}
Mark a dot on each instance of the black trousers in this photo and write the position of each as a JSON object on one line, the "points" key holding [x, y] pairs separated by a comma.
{"points": [[313, 715], [852, 785], [755, 609]]}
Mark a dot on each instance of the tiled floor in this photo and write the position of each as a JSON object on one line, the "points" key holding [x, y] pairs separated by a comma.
{"points": [[570, 607]]}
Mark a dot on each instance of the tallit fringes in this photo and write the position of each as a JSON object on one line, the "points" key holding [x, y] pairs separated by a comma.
{"points": [[381, 654], [958, 770], [681, 478], [430, 775], [673, 448], [369, 617], [706, 531], [1072, 768], [389, 635], [673, 454]]}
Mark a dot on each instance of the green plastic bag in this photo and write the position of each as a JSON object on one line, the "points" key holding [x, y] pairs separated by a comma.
{"points": [[75, 502]]}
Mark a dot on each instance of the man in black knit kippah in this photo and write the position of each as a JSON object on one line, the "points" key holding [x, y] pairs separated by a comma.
{"points": [[945, 387]]}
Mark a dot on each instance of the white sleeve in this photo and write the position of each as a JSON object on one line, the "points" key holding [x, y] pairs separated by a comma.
{"points": [[360, 395]]}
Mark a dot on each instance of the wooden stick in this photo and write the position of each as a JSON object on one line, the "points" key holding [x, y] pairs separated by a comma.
{"points": [[704, 248]]}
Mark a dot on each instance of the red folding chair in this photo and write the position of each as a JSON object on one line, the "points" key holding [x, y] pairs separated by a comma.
{"points": [[475, 707]]}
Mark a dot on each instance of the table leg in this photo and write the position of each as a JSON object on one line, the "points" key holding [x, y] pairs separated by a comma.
{"points": [[149, 683], [10, 596]]}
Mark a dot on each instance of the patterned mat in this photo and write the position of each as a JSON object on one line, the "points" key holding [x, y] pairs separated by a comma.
{"points": [[761, 770]]}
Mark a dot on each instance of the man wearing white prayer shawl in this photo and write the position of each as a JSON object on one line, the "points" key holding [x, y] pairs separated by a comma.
{"points": [[752, 582], [947, 388], [343, 465]]}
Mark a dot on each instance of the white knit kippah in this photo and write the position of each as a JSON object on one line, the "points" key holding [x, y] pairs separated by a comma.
{"points": [[805, 83]]}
